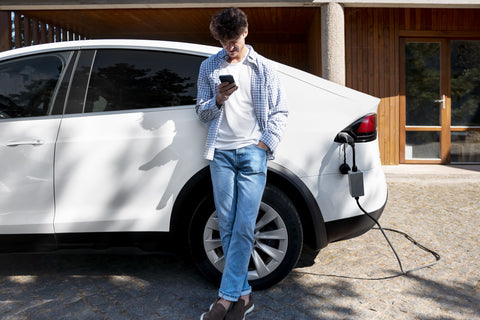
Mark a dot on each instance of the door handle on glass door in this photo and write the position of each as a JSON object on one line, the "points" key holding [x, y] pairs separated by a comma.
{"points": [[36, 142], [442, 101]]}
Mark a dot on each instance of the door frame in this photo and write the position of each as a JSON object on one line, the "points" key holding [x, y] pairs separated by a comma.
{"points": [[445, 121]]}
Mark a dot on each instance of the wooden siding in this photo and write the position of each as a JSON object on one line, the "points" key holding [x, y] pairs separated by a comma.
{"points": [[439, 22], [371, 50], [372, 40]]}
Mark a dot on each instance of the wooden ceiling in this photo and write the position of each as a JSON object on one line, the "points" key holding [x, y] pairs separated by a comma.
{"points": [[191, 25]]}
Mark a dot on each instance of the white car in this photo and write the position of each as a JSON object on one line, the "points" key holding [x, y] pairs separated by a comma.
{"points": [[100, 147]]}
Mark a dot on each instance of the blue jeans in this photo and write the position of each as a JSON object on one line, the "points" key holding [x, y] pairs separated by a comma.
{"points": [[238, 178]]}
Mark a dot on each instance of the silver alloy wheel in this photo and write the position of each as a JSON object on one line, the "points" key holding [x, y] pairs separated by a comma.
{"points": [[270, 243]]}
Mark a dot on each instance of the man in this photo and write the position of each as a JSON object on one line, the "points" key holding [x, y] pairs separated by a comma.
{"points": [[246, 119]]}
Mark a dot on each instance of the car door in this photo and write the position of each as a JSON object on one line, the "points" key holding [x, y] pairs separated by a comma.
{"points": [[128, 143], [30, 117]]}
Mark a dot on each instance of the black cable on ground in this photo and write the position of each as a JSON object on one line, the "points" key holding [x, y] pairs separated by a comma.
{"points": [[403, 272], [436, 255]]}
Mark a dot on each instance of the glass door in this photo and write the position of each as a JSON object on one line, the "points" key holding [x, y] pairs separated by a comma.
{"points": [[424, 102], [465, 101], [440, 101]]}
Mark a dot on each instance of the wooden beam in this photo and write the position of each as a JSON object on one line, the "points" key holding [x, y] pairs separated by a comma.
{"points": [[18, 28], [35, 31], [5, 31], [27, 31]]}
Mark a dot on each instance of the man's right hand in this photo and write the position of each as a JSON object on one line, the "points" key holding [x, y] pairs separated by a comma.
{"points": [[225, 90]]}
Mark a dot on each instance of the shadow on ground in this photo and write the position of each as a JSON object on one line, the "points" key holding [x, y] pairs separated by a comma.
{"points": [[99, 286]]}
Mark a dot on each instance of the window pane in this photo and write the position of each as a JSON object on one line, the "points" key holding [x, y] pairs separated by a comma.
{"points": [[422, 70], [465, 83], [465, 146], [131, 79], [422, 145], [27, 85]]}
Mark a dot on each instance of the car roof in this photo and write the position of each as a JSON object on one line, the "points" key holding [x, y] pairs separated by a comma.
{"points": [[180, 47]]}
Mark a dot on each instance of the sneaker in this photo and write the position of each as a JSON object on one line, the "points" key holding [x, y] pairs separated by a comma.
{"points": [[240, 310], [217, 312]]}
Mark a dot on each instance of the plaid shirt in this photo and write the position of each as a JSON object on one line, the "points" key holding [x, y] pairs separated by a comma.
{"points": [[267, 97]]}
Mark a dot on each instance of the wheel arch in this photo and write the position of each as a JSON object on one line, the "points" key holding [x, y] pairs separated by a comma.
{"points": [[314, 230], [199, 187]]}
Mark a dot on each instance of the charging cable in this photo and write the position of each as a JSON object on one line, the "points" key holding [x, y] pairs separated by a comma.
{"points": [[355, 179], [436, 255]]}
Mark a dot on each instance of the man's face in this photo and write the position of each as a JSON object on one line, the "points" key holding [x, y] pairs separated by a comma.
{"points": [[235, 48]]}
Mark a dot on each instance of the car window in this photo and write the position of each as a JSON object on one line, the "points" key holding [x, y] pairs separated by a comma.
{"points": [[27, 85], [136, 79]]}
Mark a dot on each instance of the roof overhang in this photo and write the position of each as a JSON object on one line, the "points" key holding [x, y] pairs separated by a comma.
{"points": [[408, 3], [152, 4], [271, 25]]}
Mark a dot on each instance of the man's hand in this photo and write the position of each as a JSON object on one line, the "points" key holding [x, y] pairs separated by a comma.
{"points": [[262, 145], [225, 90]]}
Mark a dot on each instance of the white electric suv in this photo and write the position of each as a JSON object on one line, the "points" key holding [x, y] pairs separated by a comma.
{"points": [[100, 147]]}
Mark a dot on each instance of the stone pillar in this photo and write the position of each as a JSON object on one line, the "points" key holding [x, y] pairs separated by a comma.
{"points": [[333, 42], [5, 31]]}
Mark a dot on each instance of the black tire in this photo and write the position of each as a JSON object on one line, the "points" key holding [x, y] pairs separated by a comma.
{"points": [[279, 234]]}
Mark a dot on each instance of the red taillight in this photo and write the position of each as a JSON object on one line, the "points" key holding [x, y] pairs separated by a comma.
{"points": [[362, 130], [368, 124]]}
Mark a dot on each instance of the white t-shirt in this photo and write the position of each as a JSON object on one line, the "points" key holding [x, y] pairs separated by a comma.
{"points": [[239, 126]]}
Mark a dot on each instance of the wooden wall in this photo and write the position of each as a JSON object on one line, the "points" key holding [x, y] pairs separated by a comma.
{"points": [[440, 22], [372, 39]]}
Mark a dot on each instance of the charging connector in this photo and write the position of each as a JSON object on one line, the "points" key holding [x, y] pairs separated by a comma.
{"points": [[346, 138]]}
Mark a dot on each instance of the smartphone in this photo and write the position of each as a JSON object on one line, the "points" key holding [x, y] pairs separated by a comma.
{"points": [[227, 78]]}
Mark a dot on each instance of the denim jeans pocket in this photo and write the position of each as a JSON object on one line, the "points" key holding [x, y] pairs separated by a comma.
{"points": [[264, 150], [254, 160]]}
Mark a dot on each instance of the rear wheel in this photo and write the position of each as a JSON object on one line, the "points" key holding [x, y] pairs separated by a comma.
{"points": [[277, 240]]}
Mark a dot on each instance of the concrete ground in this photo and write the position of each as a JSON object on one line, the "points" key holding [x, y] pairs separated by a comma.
{"points": [[355, 279]]}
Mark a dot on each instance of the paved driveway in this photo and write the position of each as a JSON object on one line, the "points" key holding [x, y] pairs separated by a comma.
{"points": [[354, 279]]}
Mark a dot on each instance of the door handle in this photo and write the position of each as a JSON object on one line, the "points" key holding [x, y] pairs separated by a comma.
{"points": [[36, 142], [442, 101]]}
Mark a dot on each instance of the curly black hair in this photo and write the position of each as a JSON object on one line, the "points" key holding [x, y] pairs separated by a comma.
{"points": [[228, 24]]}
